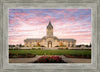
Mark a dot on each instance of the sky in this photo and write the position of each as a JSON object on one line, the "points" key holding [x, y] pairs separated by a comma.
{"points": [[32, 23]]}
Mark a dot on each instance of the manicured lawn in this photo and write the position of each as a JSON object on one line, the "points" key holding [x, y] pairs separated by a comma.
{"points": [[53, 52]]}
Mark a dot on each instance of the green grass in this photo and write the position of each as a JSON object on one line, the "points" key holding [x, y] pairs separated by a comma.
{"points": [[53, 52]]}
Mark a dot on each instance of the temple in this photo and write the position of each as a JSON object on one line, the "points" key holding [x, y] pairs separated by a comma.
{"points": [[49, 41]]}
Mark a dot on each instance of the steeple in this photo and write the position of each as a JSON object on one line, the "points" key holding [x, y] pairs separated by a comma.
{"points": [[49, 25], [49, 29]]}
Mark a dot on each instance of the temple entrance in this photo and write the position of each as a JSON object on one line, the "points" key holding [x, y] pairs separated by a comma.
{"points": [[49, 44]]}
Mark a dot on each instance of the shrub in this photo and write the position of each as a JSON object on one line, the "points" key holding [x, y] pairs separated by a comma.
{"points": [[56, 46], [42, 46], [66, 48], [39, 48], [16, 48], [33, 48], [36, 46], [62, 45], [21, 55], [60, 48], [63, 48]]}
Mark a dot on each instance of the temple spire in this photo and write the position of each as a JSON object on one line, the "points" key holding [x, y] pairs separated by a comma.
{"points": [[50, 22], [49, 25], [49, 29]]}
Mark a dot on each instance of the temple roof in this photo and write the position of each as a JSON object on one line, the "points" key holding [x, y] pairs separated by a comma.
{"points": [[45, 37], [67, 39], [32, 39], [49, 25]]}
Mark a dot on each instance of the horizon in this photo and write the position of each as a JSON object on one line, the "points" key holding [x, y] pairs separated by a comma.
{"points": [[76, 44], [67, 23]]}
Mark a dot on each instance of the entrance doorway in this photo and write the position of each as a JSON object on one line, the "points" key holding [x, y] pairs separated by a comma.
{"points": [[49, 44]]}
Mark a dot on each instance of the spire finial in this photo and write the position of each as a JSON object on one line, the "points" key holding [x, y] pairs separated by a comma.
{"points": [[49, 21], [49, 25]]}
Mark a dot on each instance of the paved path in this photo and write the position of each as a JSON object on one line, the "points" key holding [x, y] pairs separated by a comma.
{"points": [[76, 60], [23, 60], [31, 60]]}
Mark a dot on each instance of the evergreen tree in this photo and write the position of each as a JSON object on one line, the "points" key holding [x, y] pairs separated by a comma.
{"points": [[90, 44]]}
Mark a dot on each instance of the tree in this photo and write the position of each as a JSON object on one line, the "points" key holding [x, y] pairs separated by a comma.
{"points": [[90, 45], [13, 45], [20, 45], [86, 46], [38, 44], [61, 43], [9, 45]]}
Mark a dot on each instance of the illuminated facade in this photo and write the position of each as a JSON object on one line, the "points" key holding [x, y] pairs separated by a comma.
{"points": [[49, 41]]}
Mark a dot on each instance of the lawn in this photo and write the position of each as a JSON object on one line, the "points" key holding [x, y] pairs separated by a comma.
{"points": [[53, 52]]}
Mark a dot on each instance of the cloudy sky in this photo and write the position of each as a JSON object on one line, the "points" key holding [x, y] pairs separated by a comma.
{"points": [[67, 23]]}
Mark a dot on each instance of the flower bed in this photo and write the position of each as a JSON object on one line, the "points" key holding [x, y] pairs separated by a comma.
{"points": [[50, 59], [78, 56], [18, 55]]}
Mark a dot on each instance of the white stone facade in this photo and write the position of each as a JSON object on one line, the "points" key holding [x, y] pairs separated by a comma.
{"points": [[49, 41]]}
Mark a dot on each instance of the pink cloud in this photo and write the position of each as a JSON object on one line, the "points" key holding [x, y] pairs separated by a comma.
{"points": [[35, 27], [11, 21]]}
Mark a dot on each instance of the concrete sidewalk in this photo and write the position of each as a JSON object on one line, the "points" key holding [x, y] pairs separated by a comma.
{"points": [[23, 60], [76, 60], [31, 60]]}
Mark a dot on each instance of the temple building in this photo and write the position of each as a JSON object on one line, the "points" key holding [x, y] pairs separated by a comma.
{"points": [[49, 41]]}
